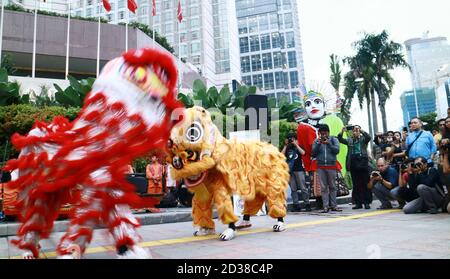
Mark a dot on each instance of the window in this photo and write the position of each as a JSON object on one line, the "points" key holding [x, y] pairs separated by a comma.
{"points": [[281, 40], [286, 4], [156, 19], [273, 21], [295, 97], [268, 81], [223, 67], [167, 5], [254, 43], [265, 41], [277, 60], [195, 35], [121, 15], [267, 61], [247, 80], [195, 47], [279, 79], [294, 78], [256, 62], [252, 24], [263, 23], [292, 60], [89, 2], [195, 59], [288, 23], [275, 40], [290, 41], [258, 81], [89, 12], [243, 43], [245, 64], [194, 11], [121, 4], [194, 23], [183, 37], [183, 50], [109, 17], [242, 25], [168, 27]]}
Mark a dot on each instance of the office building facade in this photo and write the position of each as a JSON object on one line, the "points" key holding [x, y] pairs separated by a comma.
{"points": [[426, 103], [270, 47]]}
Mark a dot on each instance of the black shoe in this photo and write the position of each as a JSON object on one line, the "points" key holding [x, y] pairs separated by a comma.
{"points": [[325, 210], [336, 209], [307, 208], [433, 211], [358, 206], [367, 206]]}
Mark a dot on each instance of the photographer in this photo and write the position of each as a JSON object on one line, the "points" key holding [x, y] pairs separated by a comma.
{"points": [[424, 183], [384, 184], [358, 164], [397, 152], [325, 150], [294, 153]]}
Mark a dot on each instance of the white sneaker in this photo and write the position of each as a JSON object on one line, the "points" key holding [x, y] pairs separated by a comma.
{"points": [[136, 252], [279, 227], [242, 224], [204, 231], [228, 234]]}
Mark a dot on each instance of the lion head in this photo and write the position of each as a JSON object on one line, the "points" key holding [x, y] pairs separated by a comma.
{"points": [[191, 146]]}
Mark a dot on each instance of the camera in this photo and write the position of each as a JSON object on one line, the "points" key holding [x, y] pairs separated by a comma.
{"points": [[375, 173], [445, 146], [323, 138], [290, 140], [349, 127]]}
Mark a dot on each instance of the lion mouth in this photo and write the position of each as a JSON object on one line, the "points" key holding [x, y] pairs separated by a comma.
{"points": [[195, 180]]}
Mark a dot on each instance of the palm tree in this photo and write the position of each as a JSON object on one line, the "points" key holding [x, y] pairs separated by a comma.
{"points": [[385, 55], [336, 73], [358, 80]]}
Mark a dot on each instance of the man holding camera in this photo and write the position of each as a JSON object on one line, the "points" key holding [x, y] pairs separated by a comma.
{"points": [[325, 149], [384, 184], [294, 153], [420, 143], [424, 185]]}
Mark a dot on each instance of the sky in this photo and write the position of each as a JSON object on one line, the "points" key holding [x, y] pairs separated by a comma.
{"points": [[331, 26]]}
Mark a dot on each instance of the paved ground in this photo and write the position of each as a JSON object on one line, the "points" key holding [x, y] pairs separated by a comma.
{"points": [[349, 234]]}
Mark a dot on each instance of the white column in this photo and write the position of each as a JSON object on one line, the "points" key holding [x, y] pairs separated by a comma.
{"points": [[1, 30], [126, 30], [98, 47], [68, 42], [33, 65]]}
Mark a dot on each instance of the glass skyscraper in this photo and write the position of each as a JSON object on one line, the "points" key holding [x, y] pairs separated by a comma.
{"points": [[270, 47]]}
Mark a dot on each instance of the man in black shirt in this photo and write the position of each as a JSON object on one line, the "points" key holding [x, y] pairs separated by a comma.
{"points": [[424, 181], [293, 153]]}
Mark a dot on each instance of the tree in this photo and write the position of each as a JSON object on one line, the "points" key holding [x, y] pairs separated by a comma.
{"points": [[359, 80], [429, 121], [10, 91], [73, 95], [336, 73], [385, 55]]}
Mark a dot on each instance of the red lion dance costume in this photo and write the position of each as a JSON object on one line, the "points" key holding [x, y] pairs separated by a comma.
{"points": [[127, 114]]}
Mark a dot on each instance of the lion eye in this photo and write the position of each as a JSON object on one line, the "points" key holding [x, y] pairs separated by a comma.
{"points": [[194, 133]]}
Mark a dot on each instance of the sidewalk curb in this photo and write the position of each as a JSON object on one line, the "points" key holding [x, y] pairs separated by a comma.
{"points": [[10, 229]]}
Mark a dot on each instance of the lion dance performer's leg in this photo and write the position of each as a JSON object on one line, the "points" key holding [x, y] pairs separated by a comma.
{"points": [[38, 210], [222, 200], [202, 214]]}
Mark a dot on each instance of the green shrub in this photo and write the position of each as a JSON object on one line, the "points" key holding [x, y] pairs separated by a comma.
{"points": [[20, 119]]}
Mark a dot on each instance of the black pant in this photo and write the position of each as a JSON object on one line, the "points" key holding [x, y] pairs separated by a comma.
{"points": [[361, 194]]}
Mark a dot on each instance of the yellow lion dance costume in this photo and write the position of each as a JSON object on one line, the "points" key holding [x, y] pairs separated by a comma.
{"points": [[215, 168]]}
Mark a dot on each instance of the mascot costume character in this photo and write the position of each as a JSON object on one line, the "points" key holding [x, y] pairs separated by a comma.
{"points": [[307, 131], [126, 114], [215, 168]]}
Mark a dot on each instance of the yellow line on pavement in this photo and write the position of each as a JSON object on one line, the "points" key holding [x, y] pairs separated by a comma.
{"points": [[162, 242]]}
